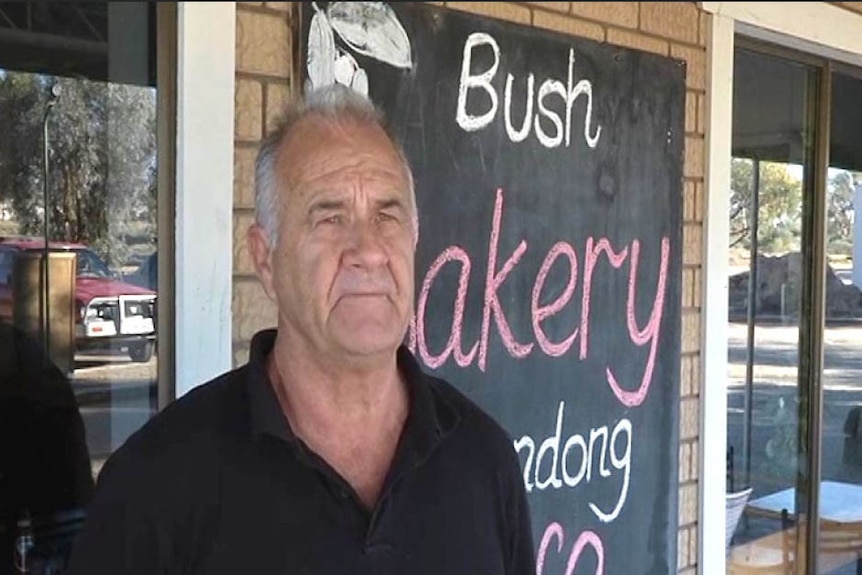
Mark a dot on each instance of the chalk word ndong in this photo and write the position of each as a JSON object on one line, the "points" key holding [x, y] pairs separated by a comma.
{"points": [[560, 463]]}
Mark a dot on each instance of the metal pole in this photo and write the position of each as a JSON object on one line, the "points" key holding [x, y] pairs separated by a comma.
{"points": [[751, 316], [46, 326], [813, 325]]}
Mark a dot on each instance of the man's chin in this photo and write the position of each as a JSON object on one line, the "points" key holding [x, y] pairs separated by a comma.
{"points": [[369, 339]]}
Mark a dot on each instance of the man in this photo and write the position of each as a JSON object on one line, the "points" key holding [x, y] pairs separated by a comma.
{"points": [[330, 452]]}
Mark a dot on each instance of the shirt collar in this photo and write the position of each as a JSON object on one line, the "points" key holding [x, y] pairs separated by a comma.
{"points": [[430, 419], [266, 415]]}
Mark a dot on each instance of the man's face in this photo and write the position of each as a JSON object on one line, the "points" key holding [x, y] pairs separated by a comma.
{"points": [[342, 268]]}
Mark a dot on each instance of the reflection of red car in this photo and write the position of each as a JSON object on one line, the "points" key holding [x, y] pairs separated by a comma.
{"points": [[111, 313]]}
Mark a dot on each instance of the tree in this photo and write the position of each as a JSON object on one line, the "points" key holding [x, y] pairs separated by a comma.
{"points": [[780, 206], [102, 157], [839, 212]]}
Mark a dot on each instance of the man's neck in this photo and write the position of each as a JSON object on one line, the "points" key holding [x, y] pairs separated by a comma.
{"points": [[341, 391], [353, 418]]}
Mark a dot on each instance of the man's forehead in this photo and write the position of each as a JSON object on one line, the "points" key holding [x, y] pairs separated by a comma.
{"points": [[319, 146], [316, 130]]}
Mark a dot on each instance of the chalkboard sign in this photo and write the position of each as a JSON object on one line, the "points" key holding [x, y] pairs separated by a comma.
{"points": [[548, 174]]}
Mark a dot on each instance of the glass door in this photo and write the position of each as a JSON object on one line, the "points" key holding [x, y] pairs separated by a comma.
{"points": [[774, 124], [795, 348], [839, 546]]}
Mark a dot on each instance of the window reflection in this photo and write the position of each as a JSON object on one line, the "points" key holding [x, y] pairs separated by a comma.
{"points": [[840, 526], [46, 469], [770, 173], [101, 210], [772, 179], [78, 238]]}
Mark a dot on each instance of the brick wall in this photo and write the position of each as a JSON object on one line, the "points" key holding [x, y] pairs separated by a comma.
{"points": [[675, 29], [263, 83]]}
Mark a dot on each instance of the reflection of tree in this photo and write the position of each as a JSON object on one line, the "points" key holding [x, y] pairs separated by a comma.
{"points": [[781, 459], [839, 206], [780, 208], [102, 159]]}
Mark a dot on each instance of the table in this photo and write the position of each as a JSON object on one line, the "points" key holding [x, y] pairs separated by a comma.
{"points": [[839, 502], [840, 535]]}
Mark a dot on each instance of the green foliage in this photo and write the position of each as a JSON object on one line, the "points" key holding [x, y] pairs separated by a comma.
{"points": [[839, 213], [780, 206], [102, 157]]}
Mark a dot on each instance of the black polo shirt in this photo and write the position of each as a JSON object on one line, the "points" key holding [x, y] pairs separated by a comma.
{"points": [[217, 483]]}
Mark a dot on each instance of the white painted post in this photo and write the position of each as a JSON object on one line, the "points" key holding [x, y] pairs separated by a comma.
{"points": [[713, 391], [204, 202]]}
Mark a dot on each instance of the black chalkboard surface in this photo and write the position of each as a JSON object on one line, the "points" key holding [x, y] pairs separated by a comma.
{"points": [[548, 174]]}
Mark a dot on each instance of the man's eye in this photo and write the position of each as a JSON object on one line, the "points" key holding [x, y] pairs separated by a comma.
{"points": [[387, 217], [333, 219]]}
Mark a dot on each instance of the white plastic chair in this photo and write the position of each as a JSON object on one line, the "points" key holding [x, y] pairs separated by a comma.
{"points": [[734, 506]]}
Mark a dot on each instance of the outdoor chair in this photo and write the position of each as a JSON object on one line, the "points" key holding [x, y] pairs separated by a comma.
{"points": [[734, 505]]}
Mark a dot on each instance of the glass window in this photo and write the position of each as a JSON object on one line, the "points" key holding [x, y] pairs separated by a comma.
{"points": [[90, 265], [78, 229], [771, 170], [840, 533], [794, 392]]}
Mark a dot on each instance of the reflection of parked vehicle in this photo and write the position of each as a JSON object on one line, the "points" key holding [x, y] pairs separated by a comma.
{"points": [[147, 274], [111, 314]]}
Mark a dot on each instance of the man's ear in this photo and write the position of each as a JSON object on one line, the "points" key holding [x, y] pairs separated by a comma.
{"points": [[261, 255]]}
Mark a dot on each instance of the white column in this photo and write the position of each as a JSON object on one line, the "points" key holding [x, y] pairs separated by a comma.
{"points": [[713, 391], [204, 195]]}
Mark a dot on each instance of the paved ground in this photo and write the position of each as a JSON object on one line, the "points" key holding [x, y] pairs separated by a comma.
{"points": [[116, 396], [775, 391], [775, 405]]}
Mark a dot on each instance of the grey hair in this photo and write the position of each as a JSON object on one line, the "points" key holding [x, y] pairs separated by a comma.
{"points": [[334, 102]]}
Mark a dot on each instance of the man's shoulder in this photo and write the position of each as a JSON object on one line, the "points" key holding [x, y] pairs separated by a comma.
{"points": [[189, 428], [475, 427]]}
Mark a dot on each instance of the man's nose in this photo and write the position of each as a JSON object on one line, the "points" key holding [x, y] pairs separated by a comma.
{"points": [[365, 246]]}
